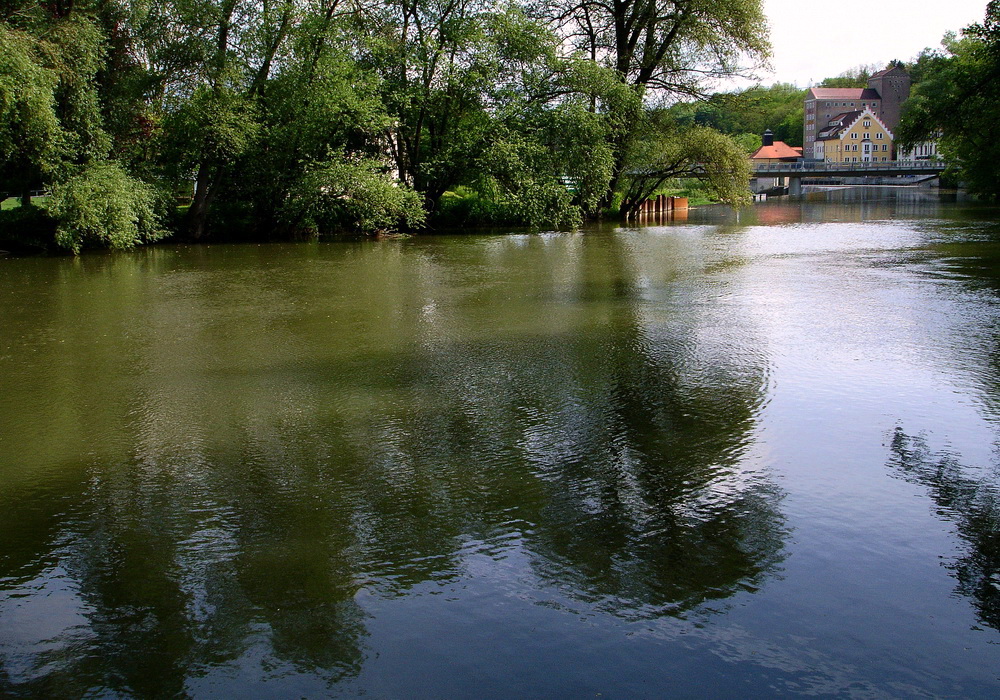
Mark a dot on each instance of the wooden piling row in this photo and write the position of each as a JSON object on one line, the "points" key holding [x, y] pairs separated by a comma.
{"points": [[662, 204]]}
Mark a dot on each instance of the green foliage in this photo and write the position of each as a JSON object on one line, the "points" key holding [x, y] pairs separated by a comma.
{"points": [[215, 126], [666, 152], [928, 62], [955, 103], [128, 81], [103, 205], [697, 193], [522, 184], [313, 106], [50, 120], [355, 195], [237, 105], [665, 45], [440, 67], [548, 160], [74, 47], [856, 77], [750, 143], [322, 102], [751, 111], [30, 133]]}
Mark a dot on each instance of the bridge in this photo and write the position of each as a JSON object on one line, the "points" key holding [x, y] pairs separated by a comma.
{"points": [[797, 170]]}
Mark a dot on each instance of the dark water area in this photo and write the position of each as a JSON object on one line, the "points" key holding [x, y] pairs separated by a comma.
{"points": [[727, 455]]}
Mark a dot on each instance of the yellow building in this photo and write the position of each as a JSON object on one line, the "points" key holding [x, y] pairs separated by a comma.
{"points": [[854, 137]]}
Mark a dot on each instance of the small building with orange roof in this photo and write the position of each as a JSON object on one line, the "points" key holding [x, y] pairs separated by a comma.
{"points": [[775, 151], [772, 151]]}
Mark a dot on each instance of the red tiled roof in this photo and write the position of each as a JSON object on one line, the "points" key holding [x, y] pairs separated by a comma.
{"points": [[780, 149], [844, 93]]}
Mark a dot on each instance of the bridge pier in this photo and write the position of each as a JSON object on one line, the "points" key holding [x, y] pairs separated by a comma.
{"points": [[795, 185]]}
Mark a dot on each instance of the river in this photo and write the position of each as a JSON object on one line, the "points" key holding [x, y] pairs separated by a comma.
{"points": [[737, 455]]}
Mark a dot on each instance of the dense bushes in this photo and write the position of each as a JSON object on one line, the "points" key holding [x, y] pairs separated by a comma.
{"points": [[103, 205]]}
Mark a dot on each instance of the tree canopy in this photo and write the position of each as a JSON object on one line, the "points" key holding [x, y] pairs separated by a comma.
{"points": [[209, 118], [956, 104], [746, 114]]}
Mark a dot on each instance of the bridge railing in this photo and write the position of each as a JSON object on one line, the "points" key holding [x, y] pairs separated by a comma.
{"points": [[807, 166]]}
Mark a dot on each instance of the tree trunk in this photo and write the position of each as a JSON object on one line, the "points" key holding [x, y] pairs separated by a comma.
{"points": [[619, 146], [26, 194], [198, 213], [207, 181]]}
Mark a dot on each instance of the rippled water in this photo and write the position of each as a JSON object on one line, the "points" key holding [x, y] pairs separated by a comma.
{"points": [[730, 456]]}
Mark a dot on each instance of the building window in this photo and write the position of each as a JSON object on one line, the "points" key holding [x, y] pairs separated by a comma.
{"points": [[878, 135], [854, 136], [855, 147], [884, 159], [885, 147], [868, 136], [868, 123]]}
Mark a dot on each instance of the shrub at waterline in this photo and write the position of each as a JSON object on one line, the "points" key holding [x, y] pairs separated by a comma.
{"points": [[104, 205]]}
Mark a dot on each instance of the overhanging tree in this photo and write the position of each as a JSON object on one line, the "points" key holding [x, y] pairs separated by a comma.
{"points": [[667, 152], [956, 103]]}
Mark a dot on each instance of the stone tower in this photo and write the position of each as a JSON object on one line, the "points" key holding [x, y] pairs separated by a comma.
{"points": [[893, 85]]}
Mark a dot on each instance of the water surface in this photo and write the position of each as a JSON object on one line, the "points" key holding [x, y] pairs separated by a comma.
{"points": [[736, 455]]}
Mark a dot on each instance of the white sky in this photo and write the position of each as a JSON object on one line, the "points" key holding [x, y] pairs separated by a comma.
{"points": [[813, 40]]}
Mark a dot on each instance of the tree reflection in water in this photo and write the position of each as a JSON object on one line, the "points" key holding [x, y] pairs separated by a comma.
{"points": [[650, 509], [972, 504], [268, 465]]}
